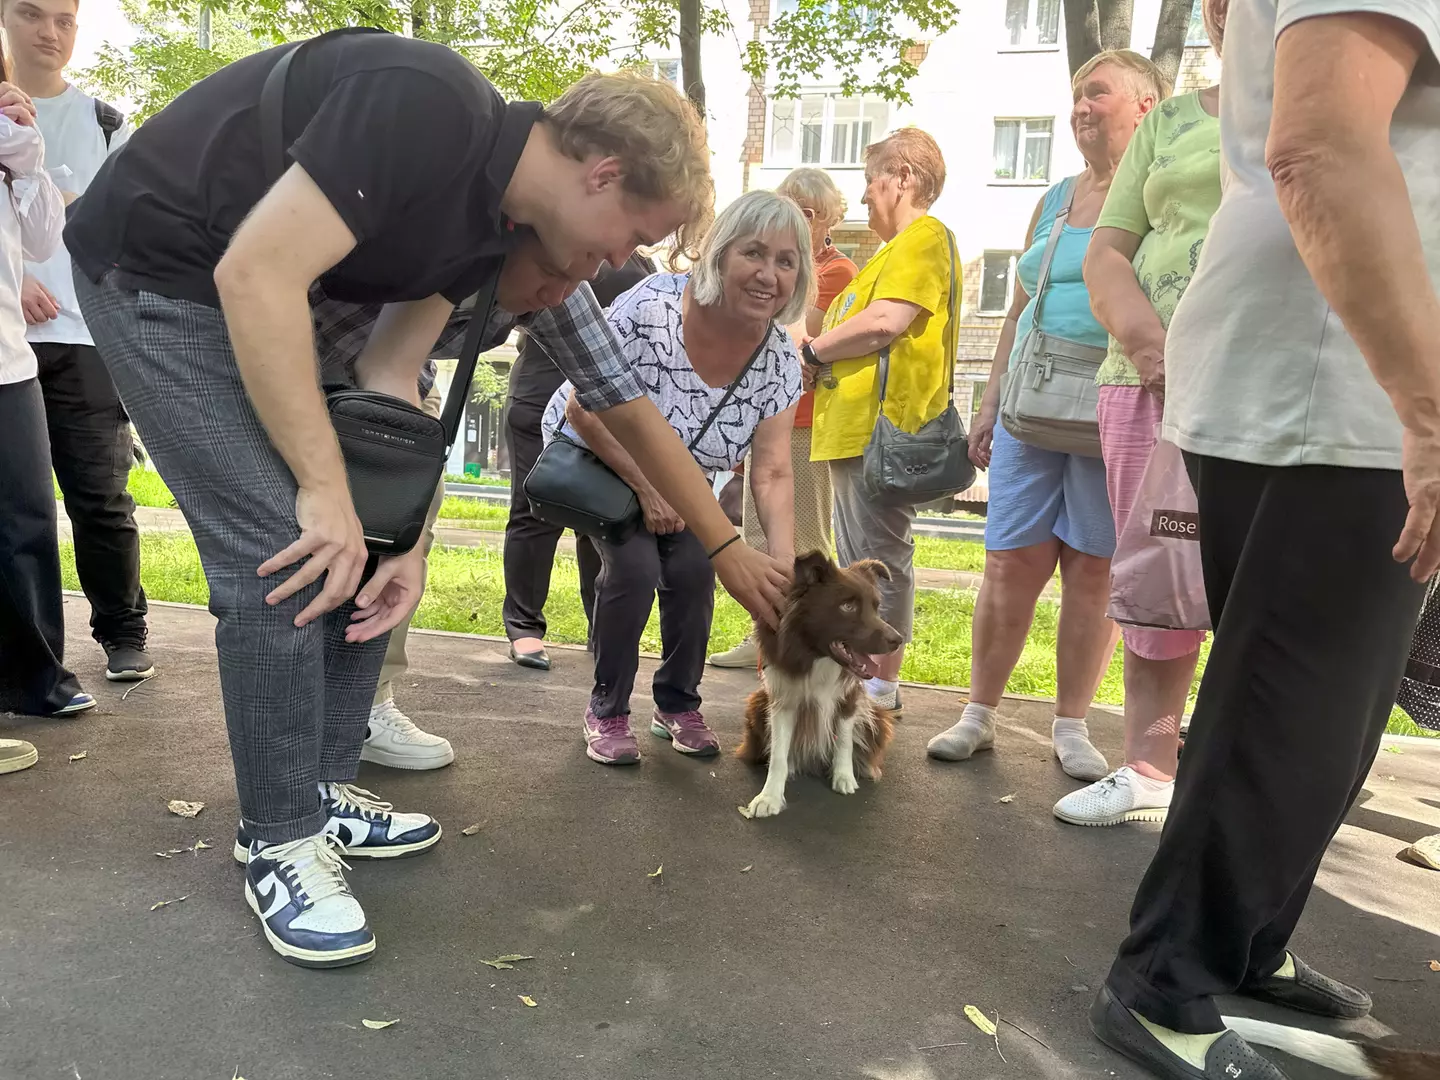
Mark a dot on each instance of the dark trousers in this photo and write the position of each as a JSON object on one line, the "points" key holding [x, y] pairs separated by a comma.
{"points": [[529, 542], [297, 699], [1312, 619], [33, 678], [92, 452], [632, 573]]}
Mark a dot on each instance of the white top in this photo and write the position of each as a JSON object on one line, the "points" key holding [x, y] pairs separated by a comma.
{"points": [[1259, 369], [647, 321], [32, 216], [73, 139]]}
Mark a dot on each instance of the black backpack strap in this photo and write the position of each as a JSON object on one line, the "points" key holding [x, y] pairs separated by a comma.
{"points": [[109, 118], [459, 392], [272, 116]]}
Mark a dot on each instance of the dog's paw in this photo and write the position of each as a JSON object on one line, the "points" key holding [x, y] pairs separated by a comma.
{"points": [[764, 805], [844, 783]]}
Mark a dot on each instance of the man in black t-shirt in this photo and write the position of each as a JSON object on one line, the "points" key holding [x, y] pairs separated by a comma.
{"points": [[405, 179]]}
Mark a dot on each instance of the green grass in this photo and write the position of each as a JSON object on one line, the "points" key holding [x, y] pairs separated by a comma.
{"points": [[482, 481], [466, 588]]}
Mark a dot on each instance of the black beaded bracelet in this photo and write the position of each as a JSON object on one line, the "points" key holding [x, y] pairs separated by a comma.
{"points": [[722, 547]]}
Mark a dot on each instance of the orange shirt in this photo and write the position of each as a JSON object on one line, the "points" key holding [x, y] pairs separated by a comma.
{"points": [[833, 271]]}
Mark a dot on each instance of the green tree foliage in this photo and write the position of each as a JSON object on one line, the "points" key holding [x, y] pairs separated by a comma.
{"points": [[530, 49]]}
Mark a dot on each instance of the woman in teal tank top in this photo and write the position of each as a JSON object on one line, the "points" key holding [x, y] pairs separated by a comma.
{"points": [[1049, 509]]}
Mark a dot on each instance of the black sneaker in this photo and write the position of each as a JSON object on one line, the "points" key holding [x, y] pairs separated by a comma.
{"points": [[127, 663]]}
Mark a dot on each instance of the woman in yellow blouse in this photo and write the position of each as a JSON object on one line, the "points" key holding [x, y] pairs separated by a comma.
{"points": [[899, 301]]}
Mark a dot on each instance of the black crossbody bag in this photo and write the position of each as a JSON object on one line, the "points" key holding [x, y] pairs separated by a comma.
{"points": [[394, 453], [570, 487]]}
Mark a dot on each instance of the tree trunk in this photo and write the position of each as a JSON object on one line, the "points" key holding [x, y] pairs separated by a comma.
{"points": [[1171, 30], [690, 75], [1082, 32], [1116, 17]]}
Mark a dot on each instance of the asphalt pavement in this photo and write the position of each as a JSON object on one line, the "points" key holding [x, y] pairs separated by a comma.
{"points": [[670, 936]]}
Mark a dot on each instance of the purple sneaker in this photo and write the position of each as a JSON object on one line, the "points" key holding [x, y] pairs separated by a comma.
{"points": [[687, 731], [609, 741]]}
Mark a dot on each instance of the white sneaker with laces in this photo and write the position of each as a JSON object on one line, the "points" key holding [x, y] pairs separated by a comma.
{"points": [[305, 907], [743, 656], [1124, 795], [396, 742]]}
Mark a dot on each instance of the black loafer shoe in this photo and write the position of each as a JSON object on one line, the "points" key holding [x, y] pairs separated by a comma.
{"points": [[1229, 1058], [540, 660], [1310, 992]]}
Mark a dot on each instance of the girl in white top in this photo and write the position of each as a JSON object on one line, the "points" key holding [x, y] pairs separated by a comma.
{"points": [[33, 678]]}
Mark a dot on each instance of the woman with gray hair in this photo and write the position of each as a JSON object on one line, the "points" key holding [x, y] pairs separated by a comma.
{"points": [[707, 347]]}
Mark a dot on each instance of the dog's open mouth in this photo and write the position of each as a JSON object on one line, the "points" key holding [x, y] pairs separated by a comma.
{"points": [[861, 665]]}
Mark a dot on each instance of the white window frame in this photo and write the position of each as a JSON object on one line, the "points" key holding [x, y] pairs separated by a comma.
{"points": [[658, 72], [827, 130], [1029, 42], [777, 8], [980, 308], [1024, 122]]}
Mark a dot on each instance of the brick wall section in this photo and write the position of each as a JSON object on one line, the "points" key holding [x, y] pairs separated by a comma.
{"points": [[1193, 75], [867, 243]]}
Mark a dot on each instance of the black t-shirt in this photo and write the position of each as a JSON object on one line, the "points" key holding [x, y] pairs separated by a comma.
{"points": [[408, 141], [533, 378]]}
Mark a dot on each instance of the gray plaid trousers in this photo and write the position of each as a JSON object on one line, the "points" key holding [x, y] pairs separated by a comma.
{"points": [[296, 700]]}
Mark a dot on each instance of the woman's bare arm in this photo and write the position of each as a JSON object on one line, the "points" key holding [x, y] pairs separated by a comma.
{"points": [[772, 482]]}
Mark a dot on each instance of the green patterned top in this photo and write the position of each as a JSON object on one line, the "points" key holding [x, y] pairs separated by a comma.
{"points": [[1165, 192]]}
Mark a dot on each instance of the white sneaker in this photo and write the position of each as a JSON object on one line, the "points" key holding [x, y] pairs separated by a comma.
{"points": [[742, 656], [1124, 795], [396, 742], [305, 907]]}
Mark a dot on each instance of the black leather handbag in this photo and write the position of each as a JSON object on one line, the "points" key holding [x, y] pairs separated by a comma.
{"points": [[394, 453], [570, 487]]}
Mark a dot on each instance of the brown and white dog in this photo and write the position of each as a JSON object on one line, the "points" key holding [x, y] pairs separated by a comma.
{"points": [[812, 715], [1365, 1061]]}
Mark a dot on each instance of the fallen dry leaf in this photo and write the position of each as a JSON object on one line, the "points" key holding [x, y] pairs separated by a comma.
{"points": [[657, 871], [200, 845], [1393, 750], [237, 1075], [528, 1001], [164, 854], [1435, 965], [745, 812], [81, 756], [747, 869], [183, 808], [980, 1020], [470, 830], [376, 1025], [1008, 798], [167, 903], [506, 962]]}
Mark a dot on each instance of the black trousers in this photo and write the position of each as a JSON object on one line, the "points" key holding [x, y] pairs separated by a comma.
{"points": [[529, 542], [677, 568], [92, 452], [1313, 620], [33, 677]]}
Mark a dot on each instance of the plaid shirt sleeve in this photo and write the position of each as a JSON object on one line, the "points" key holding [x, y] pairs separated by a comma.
{"points": [[587, 351]]}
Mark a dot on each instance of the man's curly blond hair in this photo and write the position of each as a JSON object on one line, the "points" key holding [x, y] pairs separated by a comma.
{"points": [[654, 131]]}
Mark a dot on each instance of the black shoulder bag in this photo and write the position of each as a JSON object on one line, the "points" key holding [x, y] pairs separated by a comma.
{"points": [[570, 487], [394, 453]]}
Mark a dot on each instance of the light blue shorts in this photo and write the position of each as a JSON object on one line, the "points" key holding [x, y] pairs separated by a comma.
{"points": [[1036, 494]]}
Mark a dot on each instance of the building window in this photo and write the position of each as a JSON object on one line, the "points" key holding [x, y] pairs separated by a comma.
{"points": [[1032, 22], [1022, 148], [824, 130], [668, 70], [997, 282], [1197, 34]]}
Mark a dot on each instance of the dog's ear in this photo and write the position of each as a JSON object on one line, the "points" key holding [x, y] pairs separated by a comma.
{"points": [[874, 568], [813, 568]]}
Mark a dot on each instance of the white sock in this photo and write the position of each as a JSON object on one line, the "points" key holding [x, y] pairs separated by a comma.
{"points": [[1150, 792], [1078, 756], [1190, 1048], [974, 731], [879, 688]]}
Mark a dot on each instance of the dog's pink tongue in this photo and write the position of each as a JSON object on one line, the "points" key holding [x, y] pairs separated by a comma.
{"points": [[868, 667]]}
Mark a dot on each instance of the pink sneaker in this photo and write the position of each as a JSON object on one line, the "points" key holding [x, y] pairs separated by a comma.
{"points": [[609, 741], [687, 731]]}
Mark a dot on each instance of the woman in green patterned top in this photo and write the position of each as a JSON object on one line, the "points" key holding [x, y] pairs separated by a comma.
{"points": [[1143, 253]]}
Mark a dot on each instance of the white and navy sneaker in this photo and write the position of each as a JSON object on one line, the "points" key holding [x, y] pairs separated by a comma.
{"points": [[305, 907], [365, 827]]}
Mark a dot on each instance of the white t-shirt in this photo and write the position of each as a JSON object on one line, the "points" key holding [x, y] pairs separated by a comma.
{"points": [[1258, 368], [647, 321], [72, 138], [32, 215]]}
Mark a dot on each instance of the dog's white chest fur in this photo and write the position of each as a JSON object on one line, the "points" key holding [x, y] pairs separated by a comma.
{"points": [[809, 706]]}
